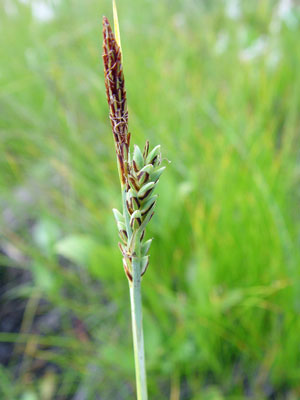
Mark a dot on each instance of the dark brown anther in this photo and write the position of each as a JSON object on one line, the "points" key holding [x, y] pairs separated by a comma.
{"points": [[142, 235]]}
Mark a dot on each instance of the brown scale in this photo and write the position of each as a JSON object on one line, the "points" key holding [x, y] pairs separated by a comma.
{"points": [[129, 207], [134, 183], [146, 194], [135, 166], [127, 270], [148, 209], [141, 174], [146, 150]]}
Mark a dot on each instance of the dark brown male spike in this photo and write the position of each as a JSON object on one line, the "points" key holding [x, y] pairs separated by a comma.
{"points": [[116, 96]]}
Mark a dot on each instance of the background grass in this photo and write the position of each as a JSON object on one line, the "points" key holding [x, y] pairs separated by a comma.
{"points": [[217, 83]]}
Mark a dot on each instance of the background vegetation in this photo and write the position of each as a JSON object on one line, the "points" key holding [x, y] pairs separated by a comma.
{"points": [[217, 83]]}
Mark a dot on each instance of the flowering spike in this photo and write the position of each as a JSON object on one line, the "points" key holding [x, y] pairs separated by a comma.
{"points": [[116, 96], [139, 173]]}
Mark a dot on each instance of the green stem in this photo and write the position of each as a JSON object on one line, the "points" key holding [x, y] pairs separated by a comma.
{"points": [[137, 330], [136, 312]]}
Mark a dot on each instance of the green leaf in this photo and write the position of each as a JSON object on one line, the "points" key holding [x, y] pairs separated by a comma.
{"points": [[46, 234], [44, 278], [29, 395]]}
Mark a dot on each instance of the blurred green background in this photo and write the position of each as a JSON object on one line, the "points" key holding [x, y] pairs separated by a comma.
{"points": [[217, 83]]}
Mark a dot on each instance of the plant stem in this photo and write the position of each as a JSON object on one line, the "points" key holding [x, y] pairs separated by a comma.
{"points": [[136, 313], [137, 330]]}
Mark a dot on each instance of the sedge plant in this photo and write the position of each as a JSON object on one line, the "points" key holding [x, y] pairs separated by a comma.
{"points": [[139, 173]]}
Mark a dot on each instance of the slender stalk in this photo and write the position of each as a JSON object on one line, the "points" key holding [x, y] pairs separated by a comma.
{"points": [[136, 314], [137, 330]]}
